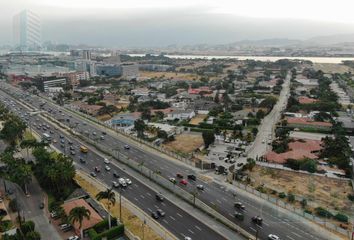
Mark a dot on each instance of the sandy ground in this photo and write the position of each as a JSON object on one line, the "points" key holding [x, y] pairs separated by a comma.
{"points": [[197, 119], [169, 75], [332, 67], [185, 143], [326, 192]]}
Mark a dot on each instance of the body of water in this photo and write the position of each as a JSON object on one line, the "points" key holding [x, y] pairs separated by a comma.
{"points": [[259, 58]]}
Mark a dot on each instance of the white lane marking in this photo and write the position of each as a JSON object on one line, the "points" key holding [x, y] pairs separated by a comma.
{"points": [[142, 196], [290, 237], [179, 215], [296, 234], [174, 219], [163, 204], [190, 231], [136, 199], [231, 215], [165, 221], [218, 201], [198, 228], [253, 229], [266, 224], [149, 194]]}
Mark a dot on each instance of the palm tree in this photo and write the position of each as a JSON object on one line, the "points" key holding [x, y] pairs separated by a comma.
{"points": [[77, 214], [110, 196]]}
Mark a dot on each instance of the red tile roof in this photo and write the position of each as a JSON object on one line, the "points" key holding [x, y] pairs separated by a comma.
{"points": [[86, 224], [306, 100], [298, 150]]}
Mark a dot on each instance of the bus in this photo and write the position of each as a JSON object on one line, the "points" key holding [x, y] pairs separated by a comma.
{"points": [[46, 137], [83, 149]]}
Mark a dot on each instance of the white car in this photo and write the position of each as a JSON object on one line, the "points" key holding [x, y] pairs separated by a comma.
{"points": [[128, 181], [126, 147], [122, 182], [115, 184], [107, 168], [273, 237], [187, 238], [106, 161], [73, 238]]}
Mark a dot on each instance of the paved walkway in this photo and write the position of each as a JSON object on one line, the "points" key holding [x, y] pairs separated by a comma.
{"points": [[29, 206]]}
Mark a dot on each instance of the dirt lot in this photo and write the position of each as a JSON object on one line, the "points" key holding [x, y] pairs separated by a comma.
{"points": [[332, 67], [169, 75], [326, 192], [185, 143], [197, 119]]}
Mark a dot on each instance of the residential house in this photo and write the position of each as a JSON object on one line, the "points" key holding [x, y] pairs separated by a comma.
{"points": [[180, 114]]}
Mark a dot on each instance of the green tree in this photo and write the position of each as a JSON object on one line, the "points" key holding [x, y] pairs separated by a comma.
{"points": [[34, 235], [110, 197], [77, 215], [27, 227], [208, 137], [139, 126], [13, 130]]}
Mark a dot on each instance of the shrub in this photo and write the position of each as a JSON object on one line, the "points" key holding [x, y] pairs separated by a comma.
{"points": [[103, 225], [274, 192], [282, 195], [351, 197], [33, 236], [341, 217], [27, 227], [291, 197], [323, 212], [308, 211], [112, 233], [303, 203]]}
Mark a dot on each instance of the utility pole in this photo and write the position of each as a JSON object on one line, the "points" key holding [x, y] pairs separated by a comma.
{"points": [[120, 204]]}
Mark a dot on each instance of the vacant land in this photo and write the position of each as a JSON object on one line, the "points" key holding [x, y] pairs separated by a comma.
{"points": [[185, 143], [169, 75], [332, 67], [322, 191], [197, 119]]}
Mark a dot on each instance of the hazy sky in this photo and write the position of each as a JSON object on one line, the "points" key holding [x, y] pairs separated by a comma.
{"points": [[163, 22]]}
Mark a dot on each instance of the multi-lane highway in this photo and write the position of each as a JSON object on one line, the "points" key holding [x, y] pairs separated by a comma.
{"points": [[214, 195], [177, 221]]}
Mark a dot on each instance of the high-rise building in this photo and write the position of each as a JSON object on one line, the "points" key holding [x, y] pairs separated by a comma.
{"points": [[86, 54], [27, 31]]}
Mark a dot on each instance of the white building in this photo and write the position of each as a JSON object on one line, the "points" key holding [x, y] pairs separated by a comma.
{"points": [[180, 114], [27, 30], [130, 70]]}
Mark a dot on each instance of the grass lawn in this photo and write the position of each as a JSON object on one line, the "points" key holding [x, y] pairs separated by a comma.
{"points": [[28, 135]]}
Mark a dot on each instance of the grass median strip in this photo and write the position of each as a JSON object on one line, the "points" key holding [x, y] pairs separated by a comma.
{"points": [[131, 221]]}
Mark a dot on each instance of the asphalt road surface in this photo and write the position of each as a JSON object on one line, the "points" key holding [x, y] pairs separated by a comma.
{"points": [[274, 222]]}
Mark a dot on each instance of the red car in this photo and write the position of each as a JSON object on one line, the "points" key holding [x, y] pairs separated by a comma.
{"points": [[184, 182]]}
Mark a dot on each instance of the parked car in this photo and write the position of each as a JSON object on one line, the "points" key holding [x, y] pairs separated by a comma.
{"points": [[107, 168], [82, 160], [173, 180], [72, 152], [93, 174], [159, 197], [102, 137], [73, 238], [183, 182], [127, 147], [239, 205], [115, 174], [41, 205], [97, 169], [106, 161], [257, 220], [192, 177]]}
